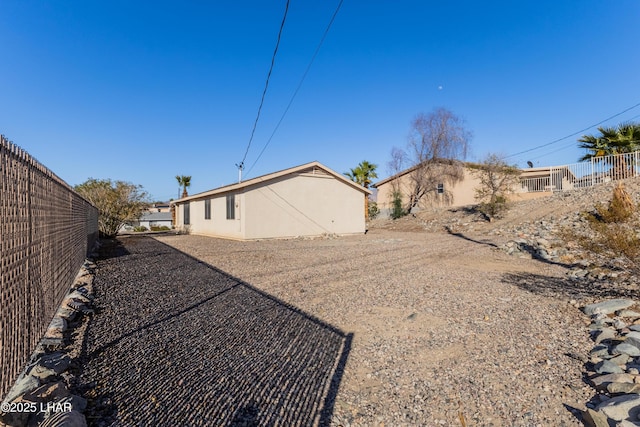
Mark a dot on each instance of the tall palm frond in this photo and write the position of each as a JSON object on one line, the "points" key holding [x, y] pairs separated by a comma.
{"points": [[625, 138]]}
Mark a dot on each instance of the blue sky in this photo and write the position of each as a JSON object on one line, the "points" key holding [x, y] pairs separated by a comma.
{"points": [[142, 91]]}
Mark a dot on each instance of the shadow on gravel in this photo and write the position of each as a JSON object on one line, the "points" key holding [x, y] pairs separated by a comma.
{"points": [[462, 236], [566, 287], [176, 341], [111, 248], [531, 250]]}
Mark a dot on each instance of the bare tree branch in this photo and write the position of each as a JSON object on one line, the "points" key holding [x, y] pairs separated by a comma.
{"points": [[437, 144]]}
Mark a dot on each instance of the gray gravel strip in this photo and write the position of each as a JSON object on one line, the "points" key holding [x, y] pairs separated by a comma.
{"points": [[175, 341]]}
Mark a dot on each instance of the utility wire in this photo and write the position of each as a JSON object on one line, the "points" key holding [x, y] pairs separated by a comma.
{"points": [[569, 146], [295, 93], [266, 85], [573, 134]]}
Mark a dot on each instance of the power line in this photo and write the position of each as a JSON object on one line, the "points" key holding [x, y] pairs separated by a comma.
{"points": [[568, 146], [266, 85], [573, 134], [295, 93]]}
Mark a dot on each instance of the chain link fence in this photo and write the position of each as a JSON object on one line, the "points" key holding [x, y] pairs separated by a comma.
{"points": [[46, 229]]}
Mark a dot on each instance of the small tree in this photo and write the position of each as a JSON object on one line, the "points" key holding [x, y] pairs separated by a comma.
{"points": [[397, 210], [373, 210], [497, 181], [437, 143], [184, 181], [118, 202]]}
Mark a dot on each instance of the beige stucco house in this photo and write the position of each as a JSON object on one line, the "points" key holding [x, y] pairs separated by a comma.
{"points": [[306, 200], [460, 194]]}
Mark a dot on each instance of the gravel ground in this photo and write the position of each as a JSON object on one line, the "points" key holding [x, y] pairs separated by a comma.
{"points": [[175, 342], [446, 330], [406, 325]]}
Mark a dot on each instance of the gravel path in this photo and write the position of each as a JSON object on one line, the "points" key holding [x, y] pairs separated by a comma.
{"points": [[175, 342], [446, 330]]}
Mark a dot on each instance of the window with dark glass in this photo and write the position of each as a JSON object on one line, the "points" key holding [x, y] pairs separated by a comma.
{"points": [[187, 214], [207, 209], [231, 206]]}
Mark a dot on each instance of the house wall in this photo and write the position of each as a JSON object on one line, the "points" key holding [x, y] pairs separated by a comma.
{"points": [[303, 205], [463, 193], [218, 225]]}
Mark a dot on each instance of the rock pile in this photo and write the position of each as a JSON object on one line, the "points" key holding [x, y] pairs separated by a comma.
{"points": [[613, 368], [41, 396]]}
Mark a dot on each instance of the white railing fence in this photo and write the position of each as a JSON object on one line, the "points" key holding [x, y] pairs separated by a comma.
{"points": [[597, 170]]}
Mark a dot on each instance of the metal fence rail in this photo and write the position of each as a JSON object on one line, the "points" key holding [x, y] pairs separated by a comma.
{"points": [[45, 231], [596, 171]]}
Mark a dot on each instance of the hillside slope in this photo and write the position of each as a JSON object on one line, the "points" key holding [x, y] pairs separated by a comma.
{"points": [[554, 208]]}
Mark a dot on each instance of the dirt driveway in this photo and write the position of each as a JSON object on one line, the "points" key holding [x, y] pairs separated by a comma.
{"points": [[446, 330]]}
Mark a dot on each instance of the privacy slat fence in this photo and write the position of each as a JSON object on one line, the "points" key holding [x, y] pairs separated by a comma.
{"points": [[596, 171], [46, 230]]}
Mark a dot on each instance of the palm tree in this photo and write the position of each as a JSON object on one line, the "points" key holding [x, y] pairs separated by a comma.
{"points": [[625, 138], [363, 174], [184, 182]]}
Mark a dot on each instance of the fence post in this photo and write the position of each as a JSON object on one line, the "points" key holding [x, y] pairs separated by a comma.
{"points": [[593, 172]]}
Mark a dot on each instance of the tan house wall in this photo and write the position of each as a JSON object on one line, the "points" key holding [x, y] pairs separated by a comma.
{"points": [[306, 202], [463, 192], [304, 205]]}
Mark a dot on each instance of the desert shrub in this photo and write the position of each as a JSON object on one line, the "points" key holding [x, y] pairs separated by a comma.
{"points": [[185, 229], [612, 230], [494, 208], [373, 210], [620, 208], [159, 228], [140, 228], [397, 211]]}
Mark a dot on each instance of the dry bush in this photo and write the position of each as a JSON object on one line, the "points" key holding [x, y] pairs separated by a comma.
{"points": [[612, 229], [620, 208]]}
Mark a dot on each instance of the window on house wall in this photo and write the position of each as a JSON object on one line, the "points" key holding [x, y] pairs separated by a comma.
{"points": [[440, 188], [231, 206], [187, 214], [207, 209]]}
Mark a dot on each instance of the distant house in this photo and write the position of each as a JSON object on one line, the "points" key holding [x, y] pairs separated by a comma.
{"points": [[461, 193], [148, 219], [547, 179], [306, 200], [160, 207], [155, 219]]}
